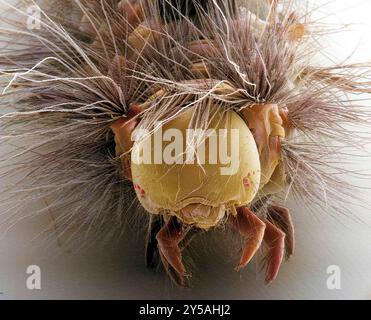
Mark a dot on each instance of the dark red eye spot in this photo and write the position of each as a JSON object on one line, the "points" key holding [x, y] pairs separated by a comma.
{"points": [[140, 191], [247, 182]]}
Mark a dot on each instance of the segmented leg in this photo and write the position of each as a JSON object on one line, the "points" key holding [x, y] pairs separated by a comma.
{"points": [[152, 254], [274, 238], [168, 239], [257, 231], [251, 227], [281, 217]]}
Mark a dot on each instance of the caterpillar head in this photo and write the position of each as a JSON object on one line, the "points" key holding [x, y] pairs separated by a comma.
{"points": [[199, 174]]}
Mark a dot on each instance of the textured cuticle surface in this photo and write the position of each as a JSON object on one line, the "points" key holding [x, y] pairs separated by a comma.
{"points": [[175, 188]]}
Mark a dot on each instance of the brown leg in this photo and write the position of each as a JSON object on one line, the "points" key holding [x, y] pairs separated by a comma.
{"points": [[281, 217], [251, 227], [274, 238], [152, 255], [168, 239], [188, 236]]}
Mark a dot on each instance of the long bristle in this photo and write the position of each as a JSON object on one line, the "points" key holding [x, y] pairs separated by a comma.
{"points": [[66, 84]]}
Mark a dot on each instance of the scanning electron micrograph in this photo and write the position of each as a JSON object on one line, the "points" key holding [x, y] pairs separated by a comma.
{"points": [[185, 149]]}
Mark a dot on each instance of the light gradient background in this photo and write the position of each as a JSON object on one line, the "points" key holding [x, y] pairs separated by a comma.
{"points": [[119, 272]]}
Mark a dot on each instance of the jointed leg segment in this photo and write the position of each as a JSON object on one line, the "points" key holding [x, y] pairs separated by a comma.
{"points": [[168, 239], [257, 232], [251, 227]]}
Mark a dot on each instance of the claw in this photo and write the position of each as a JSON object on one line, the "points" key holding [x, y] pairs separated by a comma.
{"points": [[281, 217], [251, 227], [168, 239], [274, 238], [174, 275]]}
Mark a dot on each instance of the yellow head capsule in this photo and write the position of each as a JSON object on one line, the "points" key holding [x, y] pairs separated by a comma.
{"points": [[225, 172]]}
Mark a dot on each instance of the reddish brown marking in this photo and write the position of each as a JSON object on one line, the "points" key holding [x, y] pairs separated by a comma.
{"points": [[141, 191], [247, 182]]}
